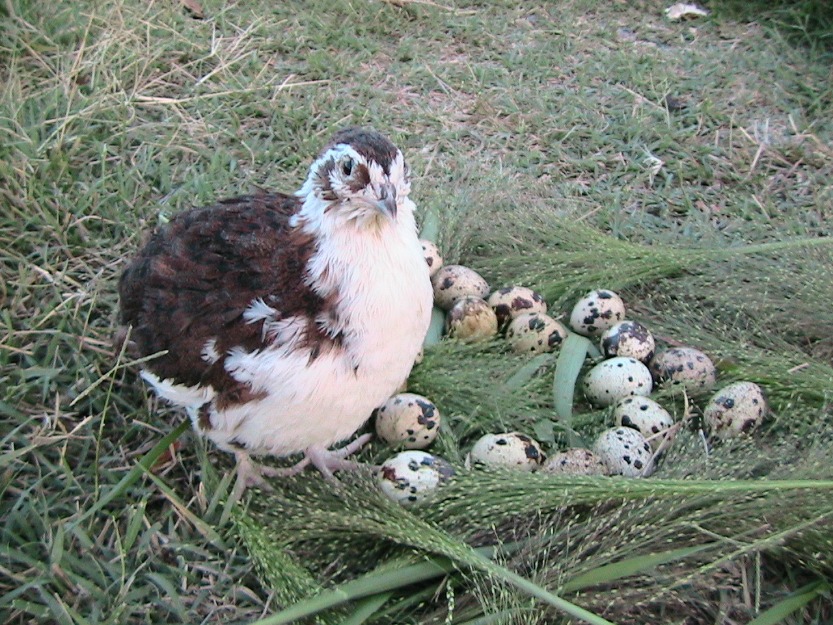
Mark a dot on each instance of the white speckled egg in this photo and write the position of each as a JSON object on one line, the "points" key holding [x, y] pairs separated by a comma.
{"points": [[735, 410], [628, 338], [432, 256], [471, 319], [684, 365], [509, 450], [596, 312], [532, 333], [453, 282], [407, 420], [511, 301], [615, 378], [410, 477], [645, 415], [575, 461], [625, 452]]}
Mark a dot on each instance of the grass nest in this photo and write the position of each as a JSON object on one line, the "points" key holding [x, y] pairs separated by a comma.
{"points": [[532, 547]]}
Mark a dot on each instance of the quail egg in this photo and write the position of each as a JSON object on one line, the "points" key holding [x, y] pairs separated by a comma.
{"points": [[410, 477], [471, 319], [684, 365], [511, 301], [625, 452], [645, 415], [407, 420], [534, 333], [575, 461], [432, 256], [452, 282], [628, 338], [615, 378], [735, 410], [509, 450], [596, 312]]}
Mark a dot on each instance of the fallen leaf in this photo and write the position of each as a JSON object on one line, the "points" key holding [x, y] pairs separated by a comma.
{"points": [[194, 8], [683, 10]]}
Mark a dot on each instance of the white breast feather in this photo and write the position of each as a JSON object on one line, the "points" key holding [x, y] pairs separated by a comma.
{"points": [[386, 308]]}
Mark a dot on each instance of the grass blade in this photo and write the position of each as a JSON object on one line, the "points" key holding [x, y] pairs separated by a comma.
{"points": [[373, 584], [631, 566], [567, 367], [571, 358], [435, 329], [367, 608], [795, 601], [136, 472]]}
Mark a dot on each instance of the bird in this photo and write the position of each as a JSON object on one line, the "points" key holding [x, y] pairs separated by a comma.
{"points": [[279, 322]]}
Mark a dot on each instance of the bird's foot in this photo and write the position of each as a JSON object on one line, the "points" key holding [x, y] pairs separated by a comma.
{"points": [[328, 461], [251, 473]]}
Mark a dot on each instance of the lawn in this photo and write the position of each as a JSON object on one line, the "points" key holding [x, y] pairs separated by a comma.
{"points": [[564, 146]]}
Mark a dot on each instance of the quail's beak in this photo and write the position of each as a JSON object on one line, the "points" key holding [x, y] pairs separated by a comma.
{"points": [[387, 200]]}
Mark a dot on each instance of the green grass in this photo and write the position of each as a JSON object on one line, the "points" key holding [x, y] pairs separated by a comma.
{"points": [[543, 137]]}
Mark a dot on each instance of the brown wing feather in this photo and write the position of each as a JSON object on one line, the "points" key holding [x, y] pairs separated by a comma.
{"points": [[197, 275]]}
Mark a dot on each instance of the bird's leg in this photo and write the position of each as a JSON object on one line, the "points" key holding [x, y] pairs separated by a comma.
{"points": [[251, 473], [328, 461]]}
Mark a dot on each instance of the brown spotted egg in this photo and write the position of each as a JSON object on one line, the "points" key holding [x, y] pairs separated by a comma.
{"points": [[511, 301], [509, 450], [432, 256], [615, 378], [628, 338], [735, 410], [471, 319], [625, 452], [532, 333], [411, 477], [407, 420], [453, 282], [596, 312], [684, 365], [645, 415], [575, 461]]}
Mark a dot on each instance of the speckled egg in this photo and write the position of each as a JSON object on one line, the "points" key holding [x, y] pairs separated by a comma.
{"points": [[453, 282], [511, 301], [532, 333], [471, 319], [596, 312], [575, 461], [407, 420], [432, 256], [645, 415], [628, 338], [735, 410], [625, 452], [509, 450], [410, 477], [684, 365], [615, 378]]}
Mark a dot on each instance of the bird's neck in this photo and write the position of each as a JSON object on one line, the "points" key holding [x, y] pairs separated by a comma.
{"points": [[357, 256]]}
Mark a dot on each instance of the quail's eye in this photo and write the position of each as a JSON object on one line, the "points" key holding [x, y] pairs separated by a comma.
{"points": [[347, 166]]}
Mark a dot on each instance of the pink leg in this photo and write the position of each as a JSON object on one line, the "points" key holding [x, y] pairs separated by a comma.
{"points": [[251, 473], [328, 461]]}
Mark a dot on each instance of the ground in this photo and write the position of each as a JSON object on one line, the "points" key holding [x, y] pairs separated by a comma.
{"points": [[709, 133]]}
